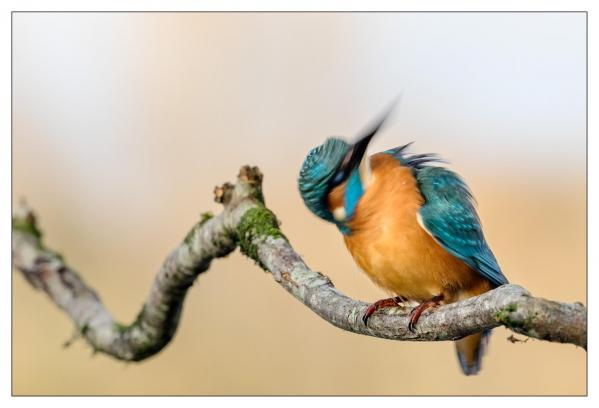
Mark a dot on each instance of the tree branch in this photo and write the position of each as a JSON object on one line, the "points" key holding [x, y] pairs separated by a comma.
{"points": [[247, 223]]}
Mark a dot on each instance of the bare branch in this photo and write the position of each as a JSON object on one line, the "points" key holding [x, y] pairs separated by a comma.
{"points": [[247, 223]]}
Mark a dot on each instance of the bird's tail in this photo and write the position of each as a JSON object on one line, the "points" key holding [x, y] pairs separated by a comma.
{"points": [[470, 351]]}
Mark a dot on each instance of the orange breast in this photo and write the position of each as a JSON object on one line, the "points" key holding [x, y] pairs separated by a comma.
{"points": [[389, 244]]}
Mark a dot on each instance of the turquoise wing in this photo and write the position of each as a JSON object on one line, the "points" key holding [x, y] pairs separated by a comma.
{"points": [[448, 214]]}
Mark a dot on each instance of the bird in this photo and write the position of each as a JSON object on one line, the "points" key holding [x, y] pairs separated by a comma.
{"points": [[409, 223]]}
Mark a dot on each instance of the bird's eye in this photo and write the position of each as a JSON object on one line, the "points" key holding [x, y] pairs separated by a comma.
{"points": [[338, 178]]}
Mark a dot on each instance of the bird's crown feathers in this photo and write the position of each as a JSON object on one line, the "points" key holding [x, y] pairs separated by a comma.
{"points": [[316, 172]]}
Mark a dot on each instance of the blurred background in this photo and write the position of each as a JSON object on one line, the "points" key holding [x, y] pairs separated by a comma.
{"points": [[124, 123]]}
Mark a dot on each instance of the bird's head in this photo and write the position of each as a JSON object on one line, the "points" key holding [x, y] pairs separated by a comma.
{"points": [[328, 166], [321, 172]]}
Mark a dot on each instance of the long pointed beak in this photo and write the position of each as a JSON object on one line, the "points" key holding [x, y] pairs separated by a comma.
{"points": [[356, 153]]}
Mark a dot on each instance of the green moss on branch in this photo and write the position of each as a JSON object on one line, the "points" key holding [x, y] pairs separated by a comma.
{"points": [[27, 225], [256, 225], [504, 316], [205, 216]]}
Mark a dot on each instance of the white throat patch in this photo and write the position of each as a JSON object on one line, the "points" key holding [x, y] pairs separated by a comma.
{"points": [[339, 213]]}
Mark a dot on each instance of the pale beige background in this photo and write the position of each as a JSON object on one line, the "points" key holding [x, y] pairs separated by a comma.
{"points": [[123, 123]]}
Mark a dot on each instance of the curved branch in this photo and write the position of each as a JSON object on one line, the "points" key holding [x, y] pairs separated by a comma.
{"points": [[247, 223]]}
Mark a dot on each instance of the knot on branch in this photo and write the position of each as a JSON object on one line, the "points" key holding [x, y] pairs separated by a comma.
{"points": [[250, 175], [223, 194], [249, 185]]}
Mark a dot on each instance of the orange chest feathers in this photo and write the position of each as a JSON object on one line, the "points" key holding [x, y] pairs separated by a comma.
{"points": [[389, 244]]}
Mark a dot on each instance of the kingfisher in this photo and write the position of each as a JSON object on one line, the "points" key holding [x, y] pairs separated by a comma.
{"points": [[409, 223]]}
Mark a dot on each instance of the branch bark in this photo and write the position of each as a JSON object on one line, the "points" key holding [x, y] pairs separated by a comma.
{"points": [[247, 223]]}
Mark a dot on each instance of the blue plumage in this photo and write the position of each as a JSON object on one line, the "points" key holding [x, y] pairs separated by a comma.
{"points": [[449, 215], [315, 178], [353, 192], [473, 367], [318, 169]]}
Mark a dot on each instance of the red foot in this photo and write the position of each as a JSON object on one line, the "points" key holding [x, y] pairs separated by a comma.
{"points": [[417, 311], [380, 304]]}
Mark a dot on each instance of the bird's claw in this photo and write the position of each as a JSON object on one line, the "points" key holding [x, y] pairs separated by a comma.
{"points": [[369, 312], [413, 321], [417, 311], [380, 304]]}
